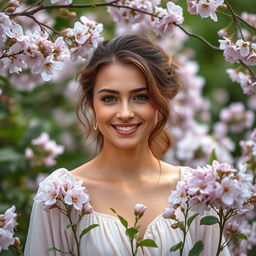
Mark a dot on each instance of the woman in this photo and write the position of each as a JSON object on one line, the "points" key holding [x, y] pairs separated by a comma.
{"points": [[127, 86]]}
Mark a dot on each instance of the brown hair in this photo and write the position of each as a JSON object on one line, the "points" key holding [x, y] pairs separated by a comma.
{"points": [[160, 73]]}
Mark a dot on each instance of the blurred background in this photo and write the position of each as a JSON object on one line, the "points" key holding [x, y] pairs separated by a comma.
{"points": [[33, 112]]}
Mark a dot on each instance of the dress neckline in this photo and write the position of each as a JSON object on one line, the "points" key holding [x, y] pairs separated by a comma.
{"points": [[115, 219]]}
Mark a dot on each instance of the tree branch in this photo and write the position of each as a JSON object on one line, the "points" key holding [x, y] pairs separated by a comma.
{"points": [[58, 6], [199, 38]]}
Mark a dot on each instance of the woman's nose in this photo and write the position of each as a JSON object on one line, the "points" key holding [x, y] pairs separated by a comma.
{"points": [[125, 112]]}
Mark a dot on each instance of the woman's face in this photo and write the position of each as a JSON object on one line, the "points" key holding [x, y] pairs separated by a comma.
{"points": [[123, 112]]}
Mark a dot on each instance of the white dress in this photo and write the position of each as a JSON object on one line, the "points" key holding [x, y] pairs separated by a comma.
{"points": [[48, 229]]}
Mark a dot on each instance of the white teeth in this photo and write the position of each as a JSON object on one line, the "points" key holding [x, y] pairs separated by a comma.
{"points": [[125, 128]]}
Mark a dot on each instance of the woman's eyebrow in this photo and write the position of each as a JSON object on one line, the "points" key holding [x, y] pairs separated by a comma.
{"points": [[117, 92]]}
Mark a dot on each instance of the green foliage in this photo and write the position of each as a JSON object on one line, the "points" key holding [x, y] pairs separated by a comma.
{"points": [[209, 220], [197, 249], [176, 247]]}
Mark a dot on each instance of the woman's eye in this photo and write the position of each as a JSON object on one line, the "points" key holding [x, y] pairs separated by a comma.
{"points": [[108, 99], [141, 97]]}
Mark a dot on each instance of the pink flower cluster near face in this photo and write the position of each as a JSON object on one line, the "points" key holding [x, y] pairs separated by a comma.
{"points": [[42, 56], [44, 150], [235, 118], [205, 8], [216, 186], [247, 83], [83, 38], [249, 152], [239, 50], [68, 190], [7, 225]]}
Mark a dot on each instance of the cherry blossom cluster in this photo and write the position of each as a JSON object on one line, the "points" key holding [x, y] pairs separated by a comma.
{"points": [[164, 21], [239, 50], [217, 186], [205, 8], [235, 119], [68, 190], [83, 38], [249, 152], [247, 83], [44, 151], [42, 56], [246, 227], [7, 225]]}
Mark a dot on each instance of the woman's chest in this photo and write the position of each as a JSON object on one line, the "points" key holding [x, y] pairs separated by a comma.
{"points": [[123, 203]]}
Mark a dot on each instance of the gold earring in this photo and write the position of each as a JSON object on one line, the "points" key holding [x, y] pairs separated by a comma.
{"points": [[95, 126]]}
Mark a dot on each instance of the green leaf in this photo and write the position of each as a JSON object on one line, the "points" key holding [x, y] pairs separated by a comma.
{"points": [[190, 220], [209, 220], [8, 154], [86, 230], [176, 247], [239, 235], [197, 249], [148, 243], [131, 231], [113, 210], [122, 219], [212, 157]]}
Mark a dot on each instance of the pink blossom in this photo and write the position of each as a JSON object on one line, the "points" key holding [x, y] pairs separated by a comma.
{"points": [[243, 47], [179, 196], [29, 154], [49, 192], [173, 15], [76, 197], [205, 8], [7, 225], [41, 140]]}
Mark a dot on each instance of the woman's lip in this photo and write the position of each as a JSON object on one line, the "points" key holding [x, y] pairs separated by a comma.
{"points": [[125, 125], [128, 132]]}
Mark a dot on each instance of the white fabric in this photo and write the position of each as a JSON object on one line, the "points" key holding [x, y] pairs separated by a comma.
{"points": [[48, 229]]}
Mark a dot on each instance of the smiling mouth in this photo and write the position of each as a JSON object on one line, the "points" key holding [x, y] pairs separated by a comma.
{"points": [[126, 128]]}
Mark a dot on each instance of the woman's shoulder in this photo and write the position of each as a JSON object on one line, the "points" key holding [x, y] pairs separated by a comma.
{"points": [[175, 170]]}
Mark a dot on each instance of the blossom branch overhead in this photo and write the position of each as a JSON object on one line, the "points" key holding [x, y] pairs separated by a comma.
{"points": [[163, 21]]}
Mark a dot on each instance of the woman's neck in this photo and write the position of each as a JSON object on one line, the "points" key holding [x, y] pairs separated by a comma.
{"points": [[127, 165]]}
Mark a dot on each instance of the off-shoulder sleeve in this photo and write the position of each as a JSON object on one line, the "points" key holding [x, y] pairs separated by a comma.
{"points": [[208, 234], [47, 229]]}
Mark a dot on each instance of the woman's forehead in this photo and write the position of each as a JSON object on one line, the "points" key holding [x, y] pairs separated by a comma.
{"points": [[120, 77]]}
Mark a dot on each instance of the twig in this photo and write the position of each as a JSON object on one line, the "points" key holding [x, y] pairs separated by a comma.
{"points": [[57, 6], [248, 68], [198, 37], [236, 24]]}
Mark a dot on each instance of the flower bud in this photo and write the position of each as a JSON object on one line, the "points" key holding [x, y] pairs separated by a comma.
{"points": [[175, 225], [17, 242], [139, 209], [72, 14], [222, 32], [87, 208], [169, 213]]}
